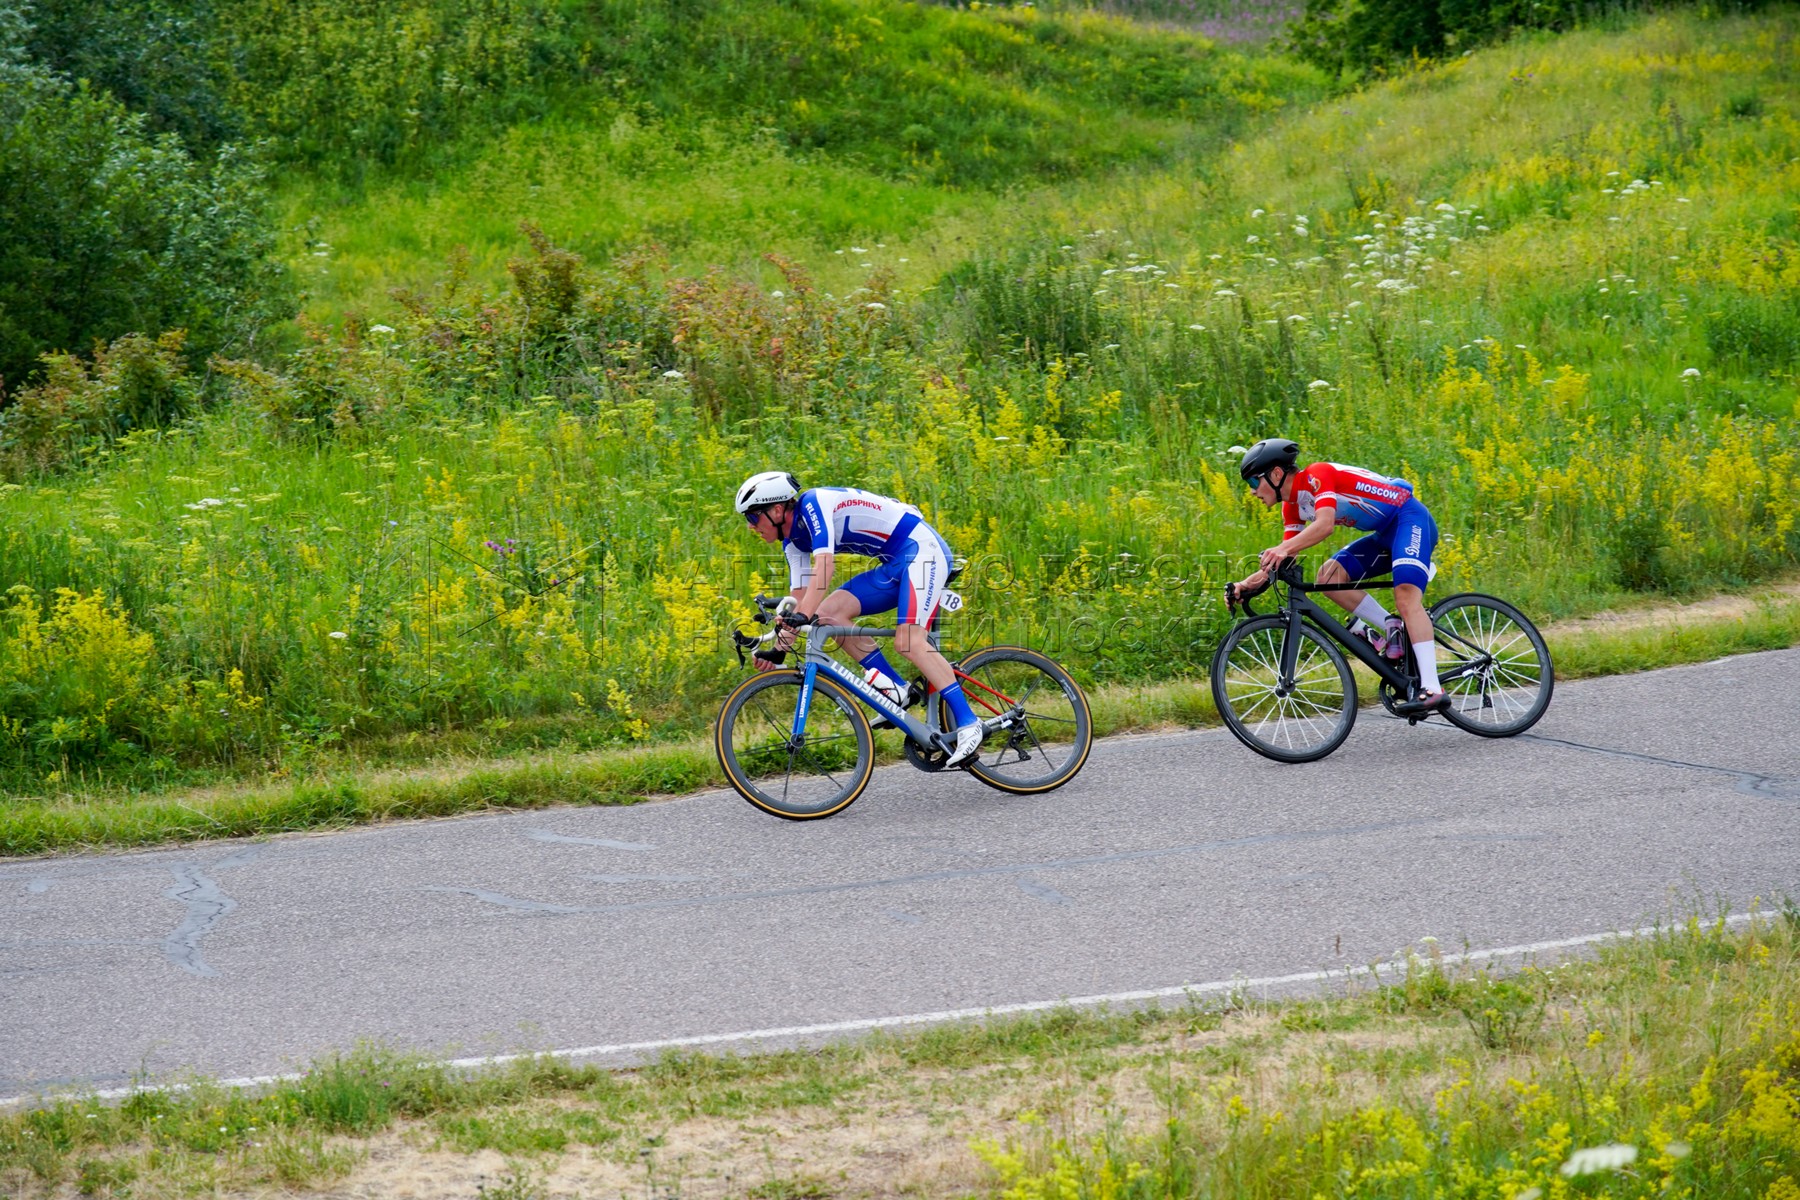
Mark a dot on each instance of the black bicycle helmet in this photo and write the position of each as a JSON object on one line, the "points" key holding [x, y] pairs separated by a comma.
{"points": [[1270, 452]]}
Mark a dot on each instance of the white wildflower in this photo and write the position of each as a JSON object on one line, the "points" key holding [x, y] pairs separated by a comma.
{"points": [[381, 329], [337, 635], [1690, 373], [672, 373], [1600, 1158], [1317, 385], [877, 305]]}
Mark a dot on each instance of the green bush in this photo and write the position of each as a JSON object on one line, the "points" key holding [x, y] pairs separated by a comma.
{"points": [[1755, 333], [341, 84], [1040, 301], [136, 383], [155, 56], [106, 230], [1354, 37]]}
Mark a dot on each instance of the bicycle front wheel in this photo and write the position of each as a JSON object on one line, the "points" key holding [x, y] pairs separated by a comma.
{"points": [[1494, 665], [816, 775], [1296, 724], [1046, 731]]}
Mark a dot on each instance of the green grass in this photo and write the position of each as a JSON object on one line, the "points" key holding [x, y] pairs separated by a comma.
{"points": [[345, 795], [1680, 1044], [722, 131]]}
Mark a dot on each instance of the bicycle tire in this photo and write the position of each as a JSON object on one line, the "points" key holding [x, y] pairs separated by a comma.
{"points": [[1003, 678], [1243, 686], [753, 732], [1472, 626]]}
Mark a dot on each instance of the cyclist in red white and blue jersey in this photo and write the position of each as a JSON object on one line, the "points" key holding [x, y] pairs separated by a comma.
{"points": [[813, 527], [1398, 535]]}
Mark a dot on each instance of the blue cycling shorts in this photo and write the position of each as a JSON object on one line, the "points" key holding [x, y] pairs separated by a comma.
{"points": [[912, 581], [1404, 544]]}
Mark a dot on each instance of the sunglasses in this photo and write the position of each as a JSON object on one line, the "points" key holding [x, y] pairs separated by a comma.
{"points": [[1254, 481]]}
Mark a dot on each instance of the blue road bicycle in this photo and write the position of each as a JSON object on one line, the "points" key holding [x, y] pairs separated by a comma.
{"points": [[795, 742]]}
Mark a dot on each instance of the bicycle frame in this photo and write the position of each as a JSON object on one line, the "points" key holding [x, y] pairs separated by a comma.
{"points": [[1300, 607], [819, 661], [1303, 608]]}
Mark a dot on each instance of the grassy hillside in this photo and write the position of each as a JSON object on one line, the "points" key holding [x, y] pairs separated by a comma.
{"points": [[724, 130], [1553, 283]]}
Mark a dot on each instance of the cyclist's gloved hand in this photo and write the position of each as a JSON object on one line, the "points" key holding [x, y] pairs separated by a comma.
{"points": [[769, 659], [796, 620]]}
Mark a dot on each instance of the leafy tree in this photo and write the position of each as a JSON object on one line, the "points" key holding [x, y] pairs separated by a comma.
{"points": [[107, 229], [1355, 37], [157, 57]]}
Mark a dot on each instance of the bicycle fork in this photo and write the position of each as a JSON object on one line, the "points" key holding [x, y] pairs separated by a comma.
{"points": [[1290, 656], [807, 684]]}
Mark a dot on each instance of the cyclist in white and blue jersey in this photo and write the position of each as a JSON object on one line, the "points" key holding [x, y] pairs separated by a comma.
{"points": [[813, 527]]}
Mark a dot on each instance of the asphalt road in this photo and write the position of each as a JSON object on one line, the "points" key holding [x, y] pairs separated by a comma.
{"points": [[1172, 859]]}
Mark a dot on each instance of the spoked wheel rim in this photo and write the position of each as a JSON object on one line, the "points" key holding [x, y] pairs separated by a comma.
{"points": [[1300, 723], [1047, 730], [1494, 665], [814, 777]]}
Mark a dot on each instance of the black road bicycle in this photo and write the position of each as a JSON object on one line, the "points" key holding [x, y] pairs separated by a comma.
{"points": [[795, 743], [1285, 690]]}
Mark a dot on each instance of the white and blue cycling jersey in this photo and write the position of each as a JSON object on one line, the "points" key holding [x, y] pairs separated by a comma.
{"points": [[915, 558]]}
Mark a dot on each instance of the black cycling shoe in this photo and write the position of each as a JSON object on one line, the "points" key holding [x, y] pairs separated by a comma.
{"points": [[1423, 705]]}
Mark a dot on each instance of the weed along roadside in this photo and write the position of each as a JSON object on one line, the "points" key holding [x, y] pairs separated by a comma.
{"points": [[1664, 1061], [1634, 642]]}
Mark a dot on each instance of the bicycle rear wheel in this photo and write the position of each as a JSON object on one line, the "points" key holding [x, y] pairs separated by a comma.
{"points": [[816, 776], [1294, 725], [1047, 731], [1497, 669]]}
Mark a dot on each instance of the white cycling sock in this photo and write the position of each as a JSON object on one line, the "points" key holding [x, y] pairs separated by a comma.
{"points": [[1426, 654], [1371, 611]]}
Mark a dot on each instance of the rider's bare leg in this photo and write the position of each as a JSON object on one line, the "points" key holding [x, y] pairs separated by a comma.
{"points": [[1333, 572], [842, 608], [1411, 603], [914, 644]]}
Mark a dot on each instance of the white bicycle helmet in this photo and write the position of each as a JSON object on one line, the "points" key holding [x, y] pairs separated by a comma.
{"points": [[766, 487]]}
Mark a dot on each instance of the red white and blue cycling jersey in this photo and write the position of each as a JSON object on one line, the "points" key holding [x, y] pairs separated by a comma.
{"points": [[1401, 534], [1361, 499], [915, 559]]}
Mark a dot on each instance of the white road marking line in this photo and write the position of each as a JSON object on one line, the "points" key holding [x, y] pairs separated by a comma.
{"points": [[947, 1016]]}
